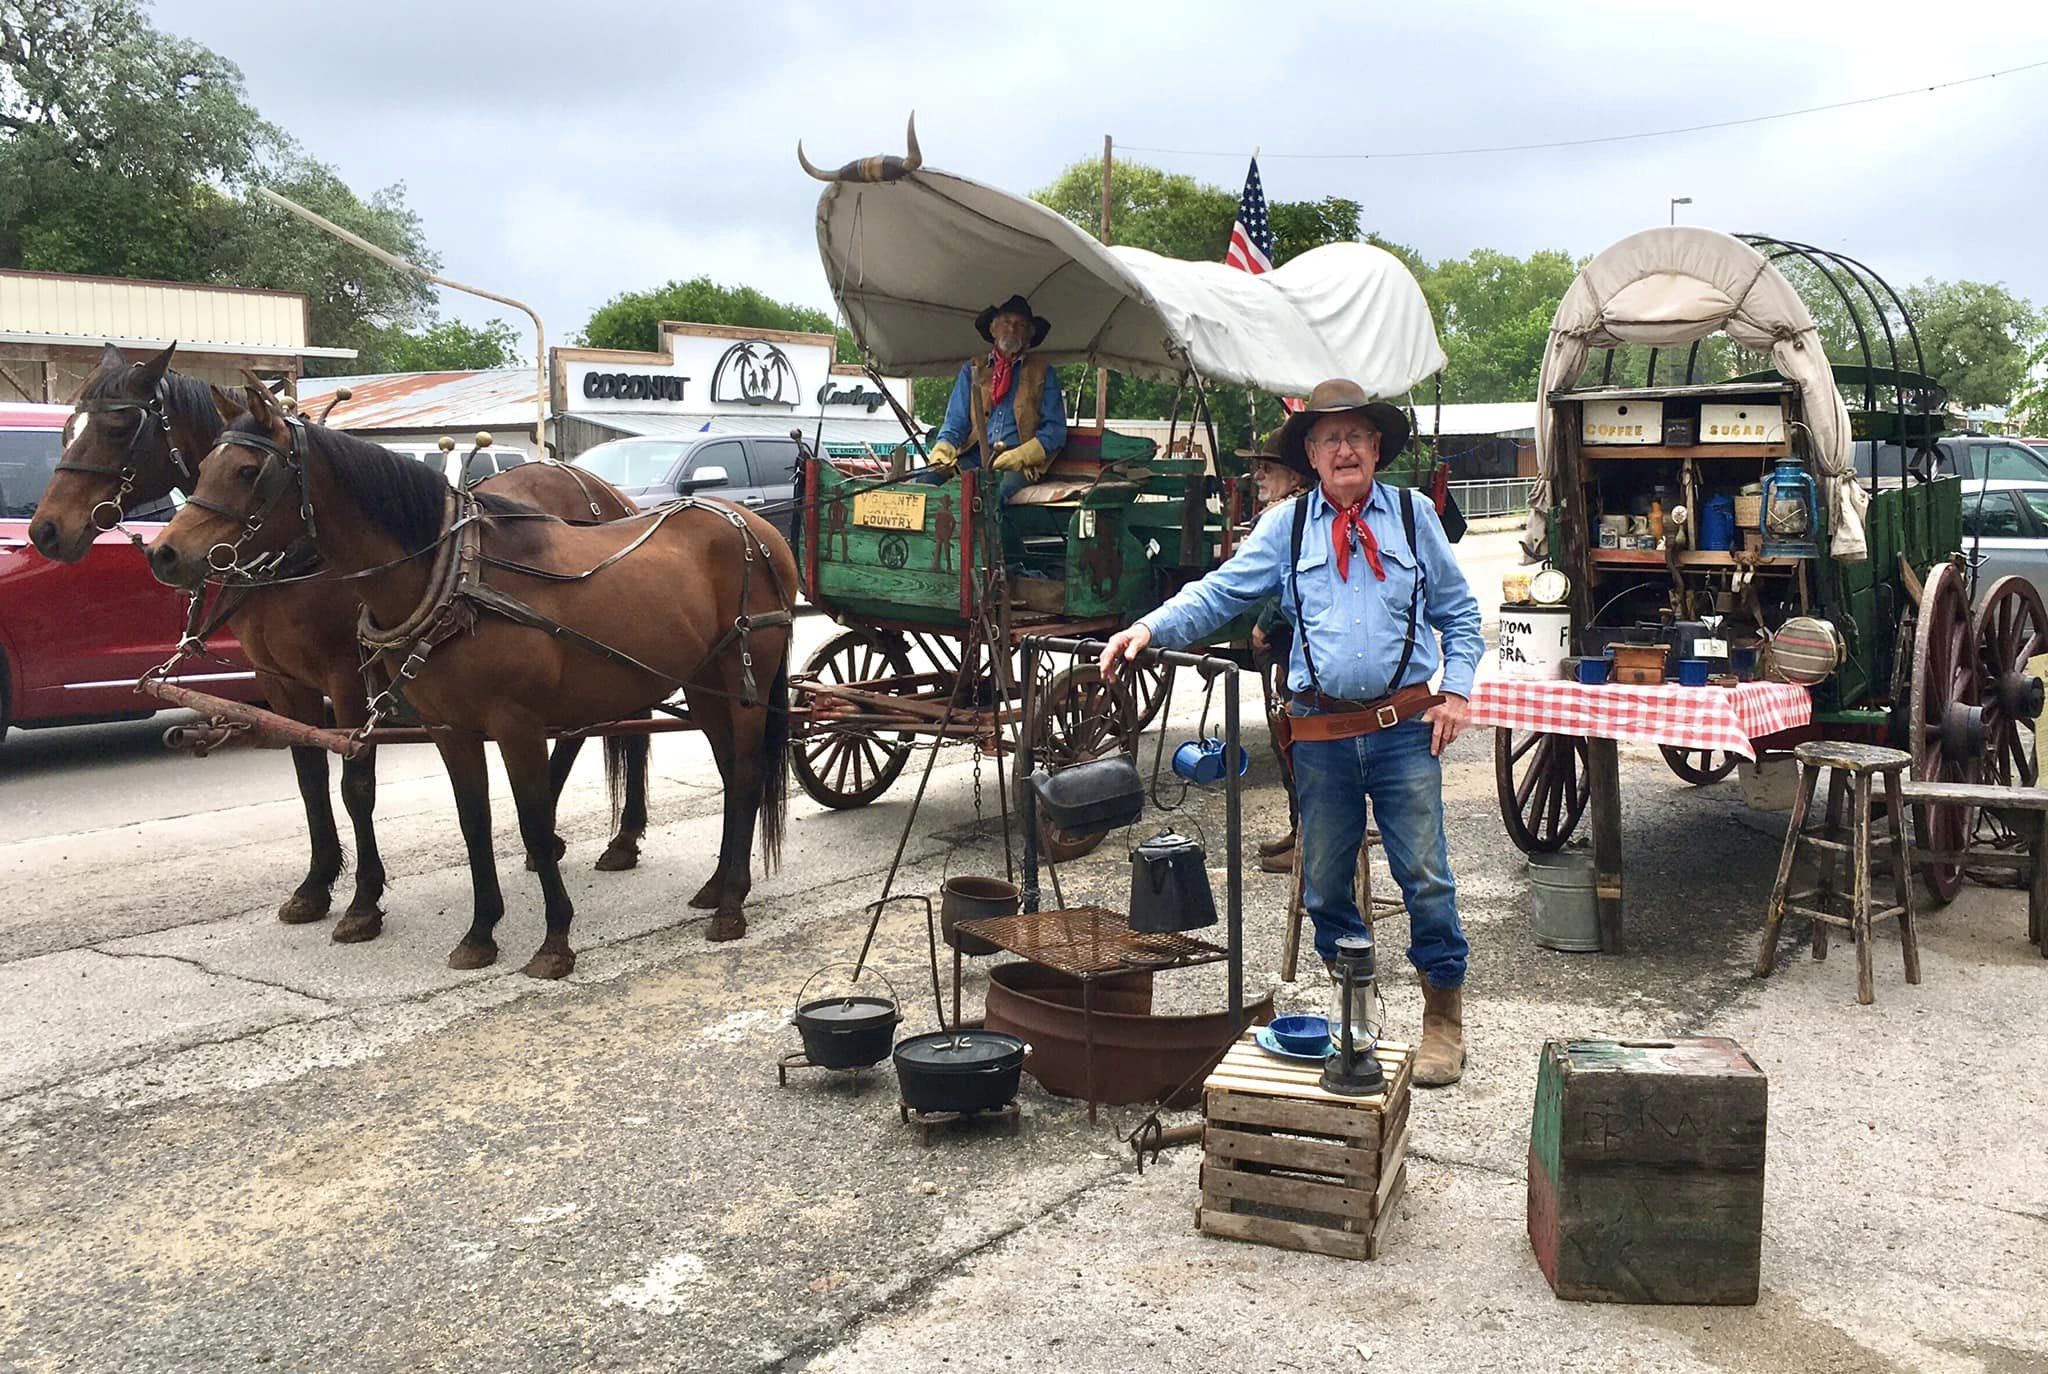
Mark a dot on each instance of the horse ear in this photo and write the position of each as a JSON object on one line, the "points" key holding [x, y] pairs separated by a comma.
{"points": [[260, 404], [230, 409], [151, 373], [112, 357]]}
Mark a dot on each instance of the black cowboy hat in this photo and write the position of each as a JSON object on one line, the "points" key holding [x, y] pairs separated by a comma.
{"points": [[1339, 396], [1268, 451], [1016, 305]]}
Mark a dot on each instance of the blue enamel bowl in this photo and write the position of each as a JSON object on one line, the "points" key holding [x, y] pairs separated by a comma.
{"points": [[1302, 1034]]}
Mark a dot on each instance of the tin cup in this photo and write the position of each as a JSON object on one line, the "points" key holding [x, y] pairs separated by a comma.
{"points": [[1692, 672], [1593, 671]]}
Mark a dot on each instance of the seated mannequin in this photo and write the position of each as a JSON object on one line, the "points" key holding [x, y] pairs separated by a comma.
{"points": [[982, 428]]}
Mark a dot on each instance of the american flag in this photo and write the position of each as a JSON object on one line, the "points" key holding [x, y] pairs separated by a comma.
{"points": [[1251, 238]]}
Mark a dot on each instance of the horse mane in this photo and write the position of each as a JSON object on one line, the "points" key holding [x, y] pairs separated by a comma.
{"points": [[398, 495], [185, 398]]}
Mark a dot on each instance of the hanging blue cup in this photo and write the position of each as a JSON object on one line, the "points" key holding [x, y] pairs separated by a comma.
{"points": [[1201, 761]]}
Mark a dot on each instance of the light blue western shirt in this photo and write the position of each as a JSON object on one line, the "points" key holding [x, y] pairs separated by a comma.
{"points": [[1356, 625]]}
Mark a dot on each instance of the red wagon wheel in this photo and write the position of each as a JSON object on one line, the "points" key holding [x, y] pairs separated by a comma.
{"points": [[1541, 781], [850, 766], [2009, 628], [1699, 766], [1945, 723]]}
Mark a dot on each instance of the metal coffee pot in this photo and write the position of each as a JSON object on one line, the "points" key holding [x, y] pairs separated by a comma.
{"points": [[1170, 885]]}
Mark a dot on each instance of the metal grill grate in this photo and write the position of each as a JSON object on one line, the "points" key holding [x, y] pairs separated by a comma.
{"points": [[1088, 941]]}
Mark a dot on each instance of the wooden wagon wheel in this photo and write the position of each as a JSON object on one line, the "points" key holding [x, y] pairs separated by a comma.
{"points": [[1074, 718], [2009, 628], [1945, 722], [1147, 683], [1541, 780], [1699, 766], [850, 766]]}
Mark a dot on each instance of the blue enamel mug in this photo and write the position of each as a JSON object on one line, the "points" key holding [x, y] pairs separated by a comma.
{"points": [[1201, 761]]}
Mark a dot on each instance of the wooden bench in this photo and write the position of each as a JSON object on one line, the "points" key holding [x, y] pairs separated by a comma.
{"points": [[2024, 861]]}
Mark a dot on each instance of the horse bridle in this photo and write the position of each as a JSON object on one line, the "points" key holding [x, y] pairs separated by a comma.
{"points": [[280, 473], [124, 476]]}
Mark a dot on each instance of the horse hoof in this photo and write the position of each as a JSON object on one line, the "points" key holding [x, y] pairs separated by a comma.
{"points": [[726, 926], [300, 910], [357, 925], [618, 858], [546, 965], [472, 956], [708, 897]]}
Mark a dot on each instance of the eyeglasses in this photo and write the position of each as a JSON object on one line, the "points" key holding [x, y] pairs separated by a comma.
{"points": [[1360, 439]]}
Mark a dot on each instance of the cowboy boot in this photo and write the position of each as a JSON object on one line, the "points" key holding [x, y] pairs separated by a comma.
{"points": [[1279, 845], [1279, 860], [1441, 1060]]}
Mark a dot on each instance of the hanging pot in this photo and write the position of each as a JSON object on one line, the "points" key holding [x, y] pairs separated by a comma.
{"points": [[847, 1032], [1170, 886], [959, 1071], [974, 899], [1090, 798]]}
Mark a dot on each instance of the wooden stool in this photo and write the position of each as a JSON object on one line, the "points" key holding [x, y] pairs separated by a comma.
{"points": [[1845, 833], [1369, 906]]}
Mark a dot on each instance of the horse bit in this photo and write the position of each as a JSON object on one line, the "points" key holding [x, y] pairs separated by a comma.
{"points": [[125, 475], [274, 481]]}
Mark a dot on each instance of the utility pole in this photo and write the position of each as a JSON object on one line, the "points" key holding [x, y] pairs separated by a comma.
{"points": [[1102, 373], [392, 260]]}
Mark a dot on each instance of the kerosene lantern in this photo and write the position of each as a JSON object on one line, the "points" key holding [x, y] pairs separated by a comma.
{"points": [[1356, 1015]]}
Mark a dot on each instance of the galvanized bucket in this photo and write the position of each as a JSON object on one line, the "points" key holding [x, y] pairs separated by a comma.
{"points": [[1563, 911]]}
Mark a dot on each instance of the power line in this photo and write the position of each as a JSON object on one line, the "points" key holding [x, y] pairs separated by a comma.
{"points": [[1606, 138]]}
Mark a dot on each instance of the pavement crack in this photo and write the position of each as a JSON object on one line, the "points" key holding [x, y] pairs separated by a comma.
{"points": [[209, 971]]}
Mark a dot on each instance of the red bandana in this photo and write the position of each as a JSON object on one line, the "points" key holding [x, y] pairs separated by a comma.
{"points": [[1002, 371], [1349, 518]]}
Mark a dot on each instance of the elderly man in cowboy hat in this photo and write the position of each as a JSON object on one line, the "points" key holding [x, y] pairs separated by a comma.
{"points": [[1005, 411], [1366, 574]]}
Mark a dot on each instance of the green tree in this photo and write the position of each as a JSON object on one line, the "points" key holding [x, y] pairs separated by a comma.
{"points": [[450, 346], [125, 151], [632, 319], [1493, 313], [1974, 335]]}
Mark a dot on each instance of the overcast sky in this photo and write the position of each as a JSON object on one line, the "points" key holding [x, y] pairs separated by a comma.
{"points": [[564, 152]]}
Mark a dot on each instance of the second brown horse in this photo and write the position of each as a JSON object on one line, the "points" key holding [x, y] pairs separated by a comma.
{"points": [[553, 626]]}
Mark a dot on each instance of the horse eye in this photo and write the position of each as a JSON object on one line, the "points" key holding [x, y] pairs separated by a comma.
{"points": [[247, 472]]}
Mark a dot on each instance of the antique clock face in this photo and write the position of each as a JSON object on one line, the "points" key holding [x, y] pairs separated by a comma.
{"points": [[1549, 587]]}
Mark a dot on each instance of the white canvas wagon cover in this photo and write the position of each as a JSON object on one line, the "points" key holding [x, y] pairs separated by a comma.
{"points": [[1666, 287], [912, 262]]}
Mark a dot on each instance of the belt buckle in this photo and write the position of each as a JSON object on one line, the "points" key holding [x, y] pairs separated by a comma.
{"points": [[1389, 716]]}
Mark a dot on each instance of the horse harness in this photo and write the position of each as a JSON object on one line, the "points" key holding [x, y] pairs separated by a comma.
{"points": [[456, 590], [124, 476]]}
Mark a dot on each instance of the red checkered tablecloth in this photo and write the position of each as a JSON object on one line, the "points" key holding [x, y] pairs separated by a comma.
{"points": [[1720, 718]]}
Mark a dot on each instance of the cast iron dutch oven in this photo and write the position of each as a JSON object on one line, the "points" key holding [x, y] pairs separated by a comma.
{"points": [[847, 1032], [959, 1071]]}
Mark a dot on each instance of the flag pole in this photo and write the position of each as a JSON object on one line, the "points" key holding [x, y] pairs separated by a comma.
{"points": [[1102, 373]]}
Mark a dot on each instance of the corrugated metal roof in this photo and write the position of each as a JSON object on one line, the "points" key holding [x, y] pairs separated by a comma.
{"points": [[500, 398]]}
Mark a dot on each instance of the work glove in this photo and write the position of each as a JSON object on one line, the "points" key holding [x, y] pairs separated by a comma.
{"points": [[1029, 458], [944, 456]]}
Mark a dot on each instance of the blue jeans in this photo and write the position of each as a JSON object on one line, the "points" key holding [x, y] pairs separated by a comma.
{"points": [[1333, 780]]}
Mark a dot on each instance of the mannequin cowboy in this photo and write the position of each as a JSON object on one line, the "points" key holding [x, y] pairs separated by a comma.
{"points": [[995, 389]]}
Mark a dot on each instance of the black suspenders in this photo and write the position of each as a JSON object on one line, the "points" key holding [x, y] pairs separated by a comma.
{"points": [[1308, 653]]}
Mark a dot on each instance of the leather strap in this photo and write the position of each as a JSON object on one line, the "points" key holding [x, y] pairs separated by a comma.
{"points": [[1368, 719]]}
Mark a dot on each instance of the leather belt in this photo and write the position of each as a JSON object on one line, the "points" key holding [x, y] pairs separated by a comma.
{"points": [[1336, 718]]}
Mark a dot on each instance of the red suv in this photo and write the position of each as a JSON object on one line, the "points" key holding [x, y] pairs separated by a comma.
{"points": [[73, 638]]}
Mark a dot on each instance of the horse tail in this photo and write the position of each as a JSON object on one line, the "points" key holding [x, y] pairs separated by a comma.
{"points": [[775, 765], [617, 748]]}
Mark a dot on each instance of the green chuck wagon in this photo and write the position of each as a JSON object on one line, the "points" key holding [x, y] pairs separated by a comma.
{"points": [[933, 582], [1672, 506]]}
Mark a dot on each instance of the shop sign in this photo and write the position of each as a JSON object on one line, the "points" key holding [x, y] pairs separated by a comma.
{"points": [[856, 395], [889, 510], [755, 373]]}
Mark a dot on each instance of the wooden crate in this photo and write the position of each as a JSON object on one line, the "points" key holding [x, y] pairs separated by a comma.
{"points": [[1646, 1170], [1287, 1164]]}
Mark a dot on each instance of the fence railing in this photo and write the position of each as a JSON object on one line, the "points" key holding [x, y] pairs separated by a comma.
{"points": [[1493, 496]]}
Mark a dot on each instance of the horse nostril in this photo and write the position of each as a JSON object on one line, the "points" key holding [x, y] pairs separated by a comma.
{"points": [[43, 534], [164, 559]]}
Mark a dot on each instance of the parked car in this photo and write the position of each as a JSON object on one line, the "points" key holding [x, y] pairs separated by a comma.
{"points": [[461, 462], [751, 470], [2006, 525], [74, 637], [1961, 455]]}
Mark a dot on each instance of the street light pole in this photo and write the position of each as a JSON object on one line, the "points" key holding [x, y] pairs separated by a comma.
{"points": [[1677, 201]]}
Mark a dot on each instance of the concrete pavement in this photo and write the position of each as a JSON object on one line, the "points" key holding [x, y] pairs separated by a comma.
{"points": [[231, 1145]]}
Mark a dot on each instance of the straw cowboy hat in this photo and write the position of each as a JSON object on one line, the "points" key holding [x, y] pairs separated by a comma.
{"points": [[1340, 396], [1016, 305], [1269, 452]]}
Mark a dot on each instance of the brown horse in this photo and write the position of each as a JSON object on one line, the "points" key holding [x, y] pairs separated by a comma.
{"points": [[500, 622], [146, 427]]}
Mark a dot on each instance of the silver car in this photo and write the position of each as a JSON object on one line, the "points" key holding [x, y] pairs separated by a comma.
{"points": [[2005, 524]]}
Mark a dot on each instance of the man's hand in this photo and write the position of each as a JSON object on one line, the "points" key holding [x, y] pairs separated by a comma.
{"points": [[1123, 646], [944, 456], [1029, 458], [1259, 641], [1450, 717]]}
